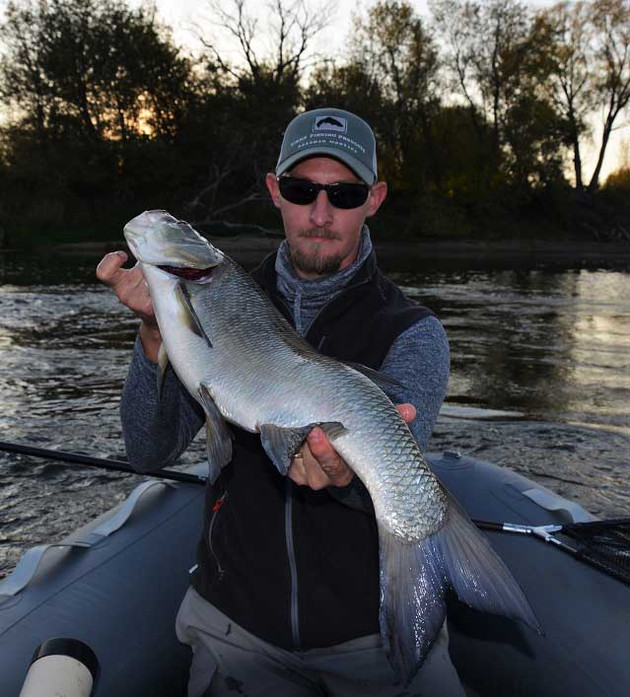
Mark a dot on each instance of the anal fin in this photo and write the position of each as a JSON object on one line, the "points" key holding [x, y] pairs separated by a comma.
{"points": [[218, 435]]}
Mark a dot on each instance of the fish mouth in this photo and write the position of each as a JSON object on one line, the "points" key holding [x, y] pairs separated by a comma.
{"points": [[158, 239], [189, 274]]}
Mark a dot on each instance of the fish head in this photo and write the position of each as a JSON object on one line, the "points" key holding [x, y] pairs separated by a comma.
{"points": [[158, 239]]}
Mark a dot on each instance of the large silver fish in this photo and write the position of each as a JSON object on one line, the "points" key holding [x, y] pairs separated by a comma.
{"points": [[246, 365]]}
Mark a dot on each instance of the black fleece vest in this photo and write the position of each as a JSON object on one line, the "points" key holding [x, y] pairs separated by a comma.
{"points": [[297, 567]]}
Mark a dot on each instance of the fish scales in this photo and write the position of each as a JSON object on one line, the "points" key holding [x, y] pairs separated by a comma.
{"points": [[245, 364], [250, 339]]}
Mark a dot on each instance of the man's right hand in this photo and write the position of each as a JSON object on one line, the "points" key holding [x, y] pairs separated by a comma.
{"points": [[132, 290]]}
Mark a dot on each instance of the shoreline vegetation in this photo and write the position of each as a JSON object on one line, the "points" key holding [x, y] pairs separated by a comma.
{"points": [[600, 227], [482, 110], [250, 247]]}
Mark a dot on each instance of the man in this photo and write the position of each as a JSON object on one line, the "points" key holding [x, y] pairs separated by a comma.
{"points": [[284, 599]]}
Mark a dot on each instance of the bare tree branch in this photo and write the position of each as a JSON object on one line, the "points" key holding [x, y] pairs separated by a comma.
{"points": [[290, 29], [611, 22]]}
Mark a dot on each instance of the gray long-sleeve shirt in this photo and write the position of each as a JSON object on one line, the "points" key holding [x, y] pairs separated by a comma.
{"points": [[157, 432]]}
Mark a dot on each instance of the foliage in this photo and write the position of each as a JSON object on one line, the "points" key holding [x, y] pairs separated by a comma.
{"points": [[587, 46], [393, 49], [91, 69], [97, 90], [478, 110], [619, 179]]}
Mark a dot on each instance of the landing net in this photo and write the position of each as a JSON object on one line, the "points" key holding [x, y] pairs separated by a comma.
{"points": [[604, 544]]}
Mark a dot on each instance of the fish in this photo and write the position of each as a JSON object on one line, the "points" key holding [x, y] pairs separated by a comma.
{"points": [[244, 363]]}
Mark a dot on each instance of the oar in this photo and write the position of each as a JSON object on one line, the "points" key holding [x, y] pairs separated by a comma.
{"points": [[113, 465]]}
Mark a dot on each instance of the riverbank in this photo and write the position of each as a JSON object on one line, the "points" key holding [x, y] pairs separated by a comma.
{"points": [[250, 248]]}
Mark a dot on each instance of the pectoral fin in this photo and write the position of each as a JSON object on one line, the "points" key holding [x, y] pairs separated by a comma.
{"points": [[218, 435], [281, 444], [187, 313], [162, 366], [385, 382]]}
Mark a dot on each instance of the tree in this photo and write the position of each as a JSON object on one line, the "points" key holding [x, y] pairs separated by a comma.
{"points": [[291, 28], [258, 93], [347, 86], [566, 31], [396, 55], [588, 50], [533, 133], [485, 51], [93, 90], [497, 62], [611, 24], [619, 179], [454, 23], [94, 66], [564, 28]]}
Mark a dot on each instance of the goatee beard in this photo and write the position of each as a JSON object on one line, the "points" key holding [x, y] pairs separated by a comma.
{"points": [[314, 262]]}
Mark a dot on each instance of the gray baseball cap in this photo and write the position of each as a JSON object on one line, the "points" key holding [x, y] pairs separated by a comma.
{"points": [[330, 133]]}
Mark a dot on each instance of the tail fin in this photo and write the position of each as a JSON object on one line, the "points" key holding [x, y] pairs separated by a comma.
{"points": [[415, 576], [412, 601], [476, 572]]}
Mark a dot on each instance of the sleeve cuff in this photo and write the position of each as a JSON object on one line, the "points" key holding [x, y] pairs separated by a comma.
{"points": [[140, 357]]}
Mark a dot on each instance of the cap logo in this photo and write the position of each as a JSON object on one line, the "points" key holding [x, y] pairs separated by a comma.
{"points": [[331, 123]]}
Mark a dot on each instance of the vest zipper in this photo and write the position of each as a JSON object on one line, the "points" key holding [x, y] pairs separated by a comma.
{"points": [[288, 531], [215, 512], [326, 305]]}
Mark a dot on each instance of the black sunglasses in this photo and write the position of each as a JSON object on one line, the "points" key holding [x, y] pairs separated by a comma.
{"points": [[344, 195]]}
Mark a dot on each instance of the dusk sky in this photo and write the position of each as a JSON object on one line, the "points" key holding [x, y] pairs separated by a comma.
{"points": [[184, 15]]}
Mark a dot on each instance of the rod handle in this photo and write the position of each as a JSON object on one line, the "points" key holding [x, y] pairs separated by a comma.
{"points": [[61, 666]]}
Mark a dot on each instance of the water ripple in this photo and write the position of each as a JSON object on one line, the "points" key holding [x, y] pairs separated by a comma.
{"points": [[540, 383]]}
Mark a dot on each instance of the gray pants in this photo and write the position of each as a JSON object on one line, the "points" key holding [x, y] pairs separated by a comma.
{"points": [[228, 660]]}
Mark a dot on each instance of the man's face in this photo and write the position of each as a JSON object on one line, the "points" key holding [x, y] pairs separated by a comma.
{"points": [[323, 239]]}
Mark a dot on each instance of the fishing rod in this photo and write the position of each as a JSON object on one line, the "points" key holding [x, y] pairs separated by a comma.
{"points": [[603, 544], [103, 463]]}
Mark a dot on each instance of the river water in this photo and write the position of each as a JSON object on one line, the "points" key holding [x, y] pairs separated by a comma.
{"points": [[540, 381]]}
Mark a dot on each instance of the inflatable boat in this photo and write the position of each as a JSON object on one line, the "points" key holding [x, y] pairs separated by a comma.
{"points": [[116, 584]]}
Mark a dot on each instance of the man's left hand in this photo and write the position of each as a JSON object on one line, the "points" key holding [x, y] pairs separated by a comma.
{"points": [[319, 465]]}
